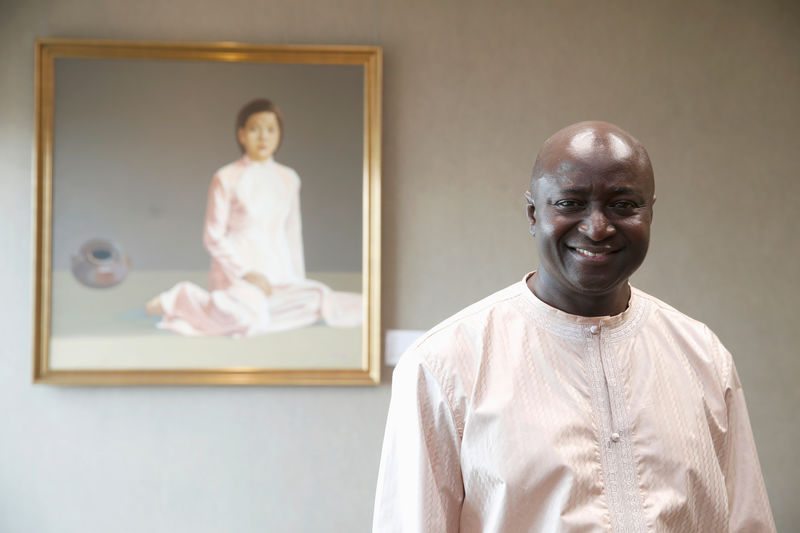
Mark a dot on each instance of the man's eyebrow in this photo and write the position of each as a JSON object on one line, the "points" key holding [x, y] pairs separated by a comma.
{"points": [[573, 190]]}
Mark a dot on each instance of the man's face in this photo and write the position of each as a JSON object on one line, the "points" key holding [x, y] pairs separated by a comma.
{"points": [[591, 217]]}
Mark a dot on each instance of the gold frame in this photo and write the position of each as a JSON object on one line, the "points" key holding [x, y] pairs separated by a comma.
{"points": [[370, 57]]}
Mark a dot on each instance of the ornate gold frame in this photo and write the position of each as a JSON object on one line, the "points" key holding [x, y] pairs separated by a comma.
{"points": [[369, 57]]}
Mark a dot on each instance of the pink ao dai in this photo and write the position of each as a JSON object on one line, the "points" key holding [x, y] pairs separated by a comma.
{"points": [[253, 225]]}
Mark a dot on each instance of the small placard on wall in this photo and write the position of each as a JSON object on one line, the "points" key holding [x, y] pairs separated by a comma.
{"points": [[397, 342]]}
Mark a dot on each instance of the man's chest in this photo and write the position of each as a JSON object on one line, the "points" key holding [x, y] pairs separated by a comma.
{"points": [[618, 430]]}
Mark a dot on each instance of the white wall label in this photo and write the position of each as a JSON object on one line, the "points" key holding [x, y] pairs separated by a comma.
{"points": [[397, 342]]}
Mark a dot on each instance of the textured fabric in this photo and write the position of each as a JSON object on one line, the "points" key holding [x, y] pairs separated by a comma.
{"points": [[253, 225], [513, 416]]}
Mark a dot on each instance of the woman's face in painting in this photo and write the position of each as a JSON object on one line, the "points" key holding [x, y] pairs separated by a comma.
{"points": [[260, 136]]}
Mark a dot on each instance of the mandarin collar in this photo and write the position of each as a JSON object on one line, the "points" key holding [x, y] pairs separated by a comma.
{"points": [[564, 324]]}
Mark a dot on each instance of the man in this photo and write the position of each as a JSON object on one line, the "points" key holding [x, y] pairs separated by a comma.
{"points": [[570, 401]]}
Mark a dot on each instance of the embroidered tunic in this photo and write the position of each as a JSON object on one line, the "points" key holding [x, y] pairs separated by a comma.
{"points": [[513, 416]]}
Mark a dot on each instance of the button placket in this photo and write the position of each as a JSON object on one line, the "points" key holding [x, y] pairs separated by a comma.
{"points": [[619, 444], [609, 380], [609, 451]]}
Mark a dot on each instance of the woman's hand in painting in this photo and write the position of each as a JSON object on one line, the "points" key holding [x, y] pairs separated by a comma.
{"points": [[259, 280]]}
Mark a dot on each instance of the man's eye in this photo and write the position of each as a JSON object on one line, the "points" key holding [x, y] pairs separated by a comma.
{"points": [[624, 205], [567, 204]]}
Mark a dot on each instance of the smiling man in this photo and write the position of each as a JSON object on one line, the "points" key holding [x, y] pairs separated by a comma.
{"points": [[570, 401]]}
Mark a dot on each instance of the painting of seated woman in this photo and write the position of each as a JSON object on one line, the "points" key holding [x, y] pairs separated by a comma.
{"points": [[257, 281]]}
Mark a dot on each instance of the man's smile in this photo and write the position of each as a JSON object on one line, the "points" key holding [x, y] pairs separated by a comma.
{"points": [[594, 255]]}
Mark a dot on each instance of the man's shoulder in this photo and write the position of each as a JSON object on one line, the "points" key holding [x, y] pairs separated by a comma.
{"points": [[451, 351], [460, 332], [689, 336]]}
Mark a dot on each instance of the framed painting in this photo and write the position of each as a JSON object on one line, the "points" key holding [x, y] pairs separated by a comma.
{"points": [[207, 213]]}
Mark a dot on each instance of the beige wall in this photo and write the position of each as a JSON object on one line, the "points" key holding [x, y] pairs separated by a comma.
{"points": [[471, 89]]}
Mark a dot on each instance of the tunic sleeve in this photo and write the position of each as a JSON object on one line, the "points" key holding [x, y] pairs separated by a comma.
{"points": [[748, 506], [420, 488], [216, 228], [294, 234]]}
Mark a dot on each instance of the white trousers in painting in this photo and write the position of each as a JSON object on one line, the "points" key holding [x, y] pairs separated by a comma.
{"points": [[243, 310]]}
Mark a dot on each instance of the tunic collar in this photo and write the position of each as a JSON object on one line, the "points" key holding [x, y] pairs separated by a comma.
{"points": [[611, 328]]}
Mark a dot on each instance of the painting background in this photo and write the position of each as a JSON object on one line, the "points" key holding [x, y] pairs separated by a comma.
{"points": [[136, 143]]}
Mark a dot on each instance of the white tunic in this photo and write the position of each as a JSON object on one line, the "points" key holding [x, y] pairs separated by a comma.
{"points": [[513, 416]]}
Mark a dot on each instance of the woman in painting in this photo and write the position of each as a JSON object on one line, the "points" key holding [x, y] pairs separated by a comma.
{"points": [[257, 281]]}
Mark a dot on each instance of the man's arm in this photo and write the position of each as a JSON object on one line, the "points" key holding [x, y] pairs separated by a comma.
{"points": [[748, 506], [420, 489]]}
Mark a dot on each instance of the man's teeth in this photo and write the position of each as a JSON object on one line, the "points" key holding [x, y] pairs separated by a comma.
{"points": [[591, 254]]}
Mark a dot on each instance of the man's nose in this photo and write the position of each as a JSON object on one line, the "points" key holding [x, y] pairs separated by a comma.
{"points": [[596, 226]]}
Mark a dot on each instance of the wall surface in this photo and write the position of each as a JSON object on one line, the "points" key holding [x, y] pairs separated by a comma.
{"points": [[471, 89]]}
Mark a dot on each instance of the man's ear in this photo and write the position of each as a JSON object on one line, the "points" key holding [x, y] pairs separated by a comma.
{"points": [[530, 209]]}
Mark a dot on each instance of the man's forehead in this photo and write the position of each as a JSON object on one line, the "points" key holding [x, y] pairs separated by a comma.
{"points": [[612, 181], [583, 180], [571, 178], [596, 165]]}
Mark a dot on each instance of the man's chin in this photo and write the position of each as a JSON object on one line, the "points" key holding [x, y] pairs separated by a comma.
{"points": [[600, 287]]}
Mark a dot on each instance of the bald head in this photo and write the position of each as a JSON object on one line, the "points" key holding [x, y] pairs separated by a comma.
{"points": [[590, 207], [592, 144]]}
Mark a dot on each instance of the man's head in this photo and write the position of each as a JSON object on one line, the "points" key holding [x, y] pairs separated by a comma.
{"points": [[590, 206]]}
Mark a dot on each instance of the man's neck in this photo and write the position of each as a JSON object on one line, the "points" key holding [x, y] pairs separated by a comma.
{"points": [[606, 304]]}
